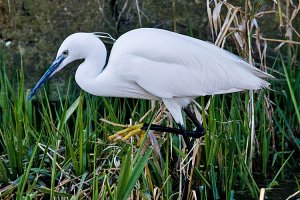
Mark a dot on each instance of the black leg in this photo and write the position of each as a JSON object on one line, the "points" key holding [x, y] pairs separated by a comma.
{"points": [[185, 137], [156, 127], [199, 132], [181, 131]]}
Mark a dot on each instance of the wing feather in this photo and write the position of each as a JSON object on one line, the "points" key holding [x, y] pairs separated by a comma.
{"points": [[170, 65]]}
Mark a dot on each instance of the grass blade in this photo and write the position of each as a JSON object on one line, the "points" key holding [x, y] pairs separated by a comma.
{"points": [[291, 90], [136, 172]]}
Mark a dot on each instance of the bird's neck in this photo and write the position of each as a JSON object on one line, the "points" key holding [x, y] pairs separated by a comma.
{"points": [[89, 70]]}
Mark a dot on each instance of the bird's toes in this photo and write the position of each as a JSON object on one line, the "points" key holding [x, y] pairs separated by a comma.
{"points": [[114, 137], [131, 133], [125, 134]]}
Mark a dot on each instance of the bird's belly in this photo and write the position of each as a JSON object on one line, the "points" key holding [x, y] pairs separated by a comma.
{"points": [[134, 91], [121, 88]]}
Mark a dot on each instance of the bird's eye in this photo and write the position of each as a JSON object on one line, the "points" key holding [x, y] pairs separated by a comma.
{"points": [[65, 53]]}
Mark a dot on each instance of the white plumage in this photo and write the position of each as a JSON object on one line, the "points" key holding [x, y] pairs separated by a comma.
{"points": [[156, 64]]}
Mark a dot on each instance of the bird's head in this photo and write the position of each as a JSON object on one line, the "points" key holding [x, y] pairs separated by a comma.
{"points": [[74, 47]]}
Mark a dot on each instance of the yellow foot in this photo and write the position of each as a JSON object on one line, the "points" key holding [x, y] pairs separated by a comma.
{"points": [[128, 132]]}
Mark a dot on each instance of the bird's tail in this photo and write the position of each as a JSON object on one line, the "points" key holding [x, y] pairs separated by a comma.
{"points": [[257, 72]]}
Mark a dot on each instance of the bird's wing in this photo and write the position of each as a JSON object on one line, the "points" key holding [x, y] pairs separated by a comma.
{"points": [[171, 65], [167, 80], [200, 73]]}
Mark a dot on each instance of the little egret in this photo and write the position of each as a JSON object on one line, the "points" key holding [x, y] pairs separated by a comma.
{"points": [[155, 64]]}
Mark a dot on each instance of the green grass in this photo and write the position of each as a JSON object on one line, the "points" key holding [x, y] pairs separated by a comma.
{"points": [[62, 151]]}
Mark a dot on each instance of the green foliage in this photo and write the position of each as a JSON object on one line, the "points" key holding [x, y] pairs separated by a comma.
{"points": [[61, 150]]}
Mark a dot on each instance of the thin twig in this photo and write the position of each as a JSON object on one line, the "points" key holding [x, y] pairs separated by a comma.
{"points": [[112, 123], [277, 40], [293, 195]]}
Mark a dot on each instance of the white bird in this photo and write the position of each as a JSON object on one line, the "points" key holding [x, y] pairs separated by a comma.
{"points": [[155, 64]]}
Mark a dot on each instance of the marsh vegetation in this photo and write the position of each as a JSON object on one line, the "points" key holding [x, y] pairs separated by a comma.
{"points": [[59, 149]]}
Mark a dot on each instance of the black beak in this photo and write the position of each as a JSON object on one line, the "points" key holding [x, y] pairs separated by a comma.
{"points": [[46, 76]]}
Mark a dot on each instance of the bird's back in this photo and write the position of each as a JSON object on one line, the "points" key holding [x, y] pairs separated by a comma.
{"points": [[168, 65]]}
